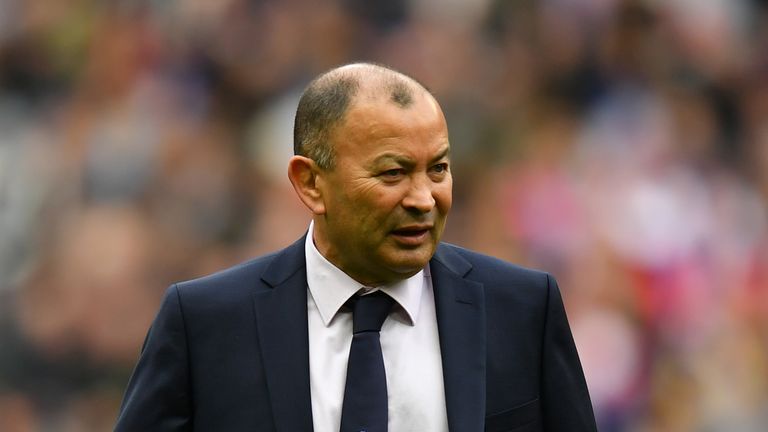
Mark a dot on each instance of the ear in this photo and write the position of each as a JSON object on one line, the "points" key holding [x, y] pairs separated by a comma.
{"points": [[303, 173]]}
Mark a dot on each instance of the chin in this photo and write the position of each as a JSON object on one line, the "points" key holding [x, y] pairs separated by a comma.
{"points": [[409, 266]]}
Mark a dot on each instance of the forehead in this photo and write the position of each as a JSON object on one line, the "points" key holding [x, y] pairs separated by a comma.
{"points": [[375, 117]]}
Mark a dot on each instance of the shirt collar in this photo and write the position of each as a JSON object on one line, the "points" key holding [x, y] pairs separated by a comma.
{"points": [[330, 287]]}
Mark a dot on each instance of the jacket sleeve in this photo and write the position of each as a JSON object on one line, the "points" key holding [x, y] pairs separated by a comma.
{"points": [[158, 394], [565, 399]]}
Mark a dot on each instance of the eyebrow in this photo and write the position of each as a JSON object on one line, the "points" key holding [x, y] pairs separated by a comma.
{"points": [[443, 154], [399, 158]]}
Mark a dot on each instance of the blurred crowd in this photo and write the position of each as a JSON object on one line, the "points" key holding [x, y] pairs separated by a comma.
{"points": [[621, 145]]}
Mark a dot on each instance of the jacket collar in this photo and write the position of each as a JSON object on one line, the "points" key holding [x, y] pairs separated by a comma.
{"points": [[281, 320], [460, 306], [281, 314]]}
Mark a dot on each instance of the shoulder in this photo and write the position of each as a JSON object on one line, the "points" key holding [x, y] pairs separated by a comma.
{"points": [[505, 285], [488, 269], [243, 279], [235, 275]]}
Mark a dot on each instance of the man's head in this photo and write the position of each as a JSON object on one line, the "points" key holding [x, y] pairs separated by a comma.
{"points": [[372, 165]]}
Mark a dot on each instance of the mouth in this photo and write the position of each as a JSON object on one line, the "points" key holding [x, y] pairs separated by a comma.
{"points": [[411, 235]]}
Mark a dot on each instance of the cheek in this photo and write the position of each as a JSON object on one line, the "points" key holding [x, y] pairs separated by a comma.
{"points": [[368, 212], [444, 197], [383, 201]]}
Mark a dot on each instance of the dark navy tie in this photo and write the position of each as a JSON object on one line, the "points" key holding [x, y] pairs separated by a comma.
{"points": [[365, 394]]}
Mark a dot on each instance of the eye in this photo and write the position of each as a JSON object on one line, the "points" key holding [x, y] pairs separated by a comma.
{"points": [[440, 168], [392, 173]]}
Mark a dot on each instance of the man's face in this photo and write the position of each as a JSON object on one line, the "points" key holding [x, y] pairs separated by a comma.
{"points": [[388, 195]]}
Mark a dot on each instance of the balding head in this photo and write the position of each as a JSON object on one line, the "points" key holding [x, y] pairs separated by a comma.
{"points": [[328, 98]]}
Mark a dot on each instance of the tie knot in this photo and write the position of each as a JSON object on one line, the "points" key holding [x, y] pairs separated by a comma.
{"points": [[370, 311]]}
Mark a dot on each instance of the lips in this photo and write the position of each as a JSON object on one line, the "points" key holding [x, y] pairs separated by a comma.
{"points": [[413, 235], [414, 230]]}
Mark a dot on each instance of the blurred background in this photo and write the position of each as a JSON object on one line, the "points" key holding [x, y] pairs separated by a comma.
{"points": [[621, 145]]}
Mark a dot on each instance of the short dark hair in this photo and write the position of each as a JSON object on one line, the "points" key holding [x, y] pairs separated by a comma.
{"points": [[326, 100]]}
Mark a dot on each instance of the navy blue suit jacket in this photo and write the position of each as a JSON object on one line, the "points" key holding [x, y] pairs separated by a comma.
{"points": [[229, 352]]}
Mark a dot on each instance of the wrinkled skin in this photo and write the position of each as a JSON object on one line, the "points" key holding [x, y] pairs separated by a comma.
{"points": [[385, 202]]}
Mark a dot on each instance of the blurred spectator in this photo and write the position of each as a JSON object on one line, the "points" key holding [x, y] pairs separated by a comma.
{"points": [[626, 141]]}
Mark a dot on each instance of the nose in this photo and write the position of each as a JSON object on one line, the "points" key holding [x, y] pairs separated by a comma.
{"points": [[419, 196]]}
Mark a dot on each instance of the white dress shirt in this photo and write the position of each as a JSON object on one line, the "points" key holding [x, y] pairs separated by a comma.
{"points": [[409, 343]]}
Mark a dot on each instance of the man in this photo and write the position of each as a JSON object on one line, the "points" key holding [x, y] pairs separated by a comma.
{"points": [[468, 342]]}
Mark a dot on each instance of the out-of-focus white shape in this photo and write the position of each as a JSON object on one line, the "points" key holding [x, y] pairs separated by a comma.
{"points": [[655, 220], [648, 207], [24, 177], [609, 348], [270, 136], [740, 219]]}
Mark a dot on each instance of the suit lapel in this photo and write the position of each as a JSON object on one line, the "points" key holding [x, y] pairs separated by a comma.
{"points": [[281, 318], [281, 315], [460, 307]]}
